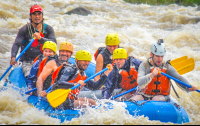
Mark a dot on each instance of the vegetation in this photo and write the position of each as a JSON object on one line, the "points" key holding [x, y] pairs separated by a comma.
{"points": [[166, 2]]}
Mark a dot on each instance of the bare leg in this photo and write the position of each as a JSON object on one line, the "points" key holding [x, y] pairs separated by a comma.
{"points": [[84, 102], [158, 98], [137, 98]]}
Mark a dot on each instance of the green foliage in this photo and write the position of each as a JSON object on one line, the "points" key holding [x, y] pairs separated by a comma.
{"points": [[166, 2]]}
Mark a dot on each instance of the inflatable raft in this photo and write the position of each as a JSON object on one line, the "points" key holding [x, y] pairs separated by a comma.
{"points": [[154, 110]]}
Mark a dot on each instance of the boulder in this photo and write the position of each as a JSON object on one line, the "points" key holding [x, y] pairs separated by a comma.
{"points": [[80, 11]]}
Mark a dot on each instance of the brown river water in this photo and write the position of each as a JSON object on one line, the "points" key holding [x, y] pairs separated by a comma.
{"points": [[138, 26]]}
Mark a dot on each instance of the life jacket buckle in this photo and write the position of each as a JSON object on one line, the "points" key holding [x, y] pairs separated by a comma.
{"points": [[156, 82], [133, 81], [156, 91]]}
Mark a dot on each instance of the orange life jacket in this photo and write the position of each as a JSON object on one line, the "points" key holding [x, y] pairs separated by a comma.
{"points": [[41, 66], [160, 85], [35, 59], [77, 90], [55, 74], [129, 80], [79, 77]]}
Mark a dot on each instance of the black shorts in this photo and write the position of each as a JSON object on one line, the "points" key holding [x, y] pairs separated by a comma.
{"points": [[68, 104], [150, 98]]}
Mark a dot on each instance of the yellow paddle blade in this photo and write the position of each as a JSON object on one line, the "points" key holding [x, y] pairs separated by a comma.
{"points": [[186, 69], [185, 66], [57, 97], [178, 60]]}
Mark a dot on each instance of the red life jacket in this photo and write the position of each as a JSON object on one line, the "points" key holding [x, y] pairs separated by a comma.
{"points": [[35, 42], [160, 85], [129, 80]]}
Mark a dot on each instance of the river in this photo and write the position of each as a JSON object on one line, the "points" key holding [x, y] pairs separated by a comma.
{"points": [[138, 26]]}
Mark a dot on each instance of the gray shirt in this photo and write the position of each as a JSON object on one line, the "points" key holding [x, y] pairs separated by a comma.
{"points": [[144, 76]]}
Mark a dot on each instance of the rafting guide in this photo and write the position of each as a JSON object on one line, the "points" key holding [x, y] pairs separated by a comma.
{"points": [[35, 29]]}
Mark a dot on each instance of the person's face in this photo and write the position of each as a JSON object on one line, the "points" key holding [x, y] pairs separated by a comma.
{"points": [[36, 17], [65, 55], [120, 62], [111, 48], [48, 52], [157, 60], [83, 64]]}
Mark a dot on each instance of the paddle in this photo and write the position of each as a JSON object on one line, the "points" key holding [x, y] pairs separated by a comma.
{"points": [[189, 86], [58, 96], [46, 92], [30, 90], [18, 57], [178, 60], [185, 66], [126, 92]]}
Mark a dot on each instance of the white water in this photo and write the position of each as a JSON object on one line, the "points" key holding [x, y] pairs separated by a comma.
{"points": [[138, 26]]}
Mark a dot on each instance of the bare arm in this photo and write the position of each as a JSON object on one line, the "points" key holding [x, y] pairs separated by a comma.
{"points": [[99, 66], [47, 70]]}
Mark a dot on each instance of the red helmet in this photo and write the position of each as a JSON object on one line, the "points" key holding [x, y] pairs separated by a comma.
{"points": [[35, 8]]}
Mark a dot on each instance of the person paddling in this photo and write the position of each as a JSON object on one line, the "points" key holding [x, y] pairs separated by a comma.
{"points": [[123, 75], [49, 65], [49, 49], [35, 29], [153, 85], [68, 75]]}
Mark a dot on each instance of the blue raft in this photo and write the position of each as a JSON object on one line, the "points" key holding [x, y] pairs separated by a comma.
{"points": [[154, 110]]}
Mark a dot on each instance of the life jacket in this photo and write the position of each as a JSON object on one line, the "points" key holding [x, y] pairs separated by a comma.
{"points": [[40, 57], [129, 79], [48, 80], [76, 91], [107, 56], [36, 48], [56, 75], [160, 84]]}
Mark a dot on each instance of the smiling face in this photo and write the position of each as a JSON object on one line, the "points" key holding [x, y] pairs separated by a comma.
{"points": [[48, 52], [36, 17], [64, 55], [82, 64]]}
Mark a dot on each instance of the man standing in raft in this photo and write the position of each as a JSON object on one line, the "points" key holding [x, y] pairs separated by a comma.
{"points": [[35, 29]]}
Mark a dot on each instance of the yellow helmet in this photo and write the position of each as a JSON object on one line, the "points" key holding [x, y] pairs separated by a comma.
{"points": [[50, 45], [120, 53], [83, 55], [66, 46], [112, 39]]}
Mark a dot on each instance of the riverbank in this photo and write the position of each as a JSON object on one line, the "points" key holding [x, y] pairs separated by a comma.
{"points": [[166, 2]]}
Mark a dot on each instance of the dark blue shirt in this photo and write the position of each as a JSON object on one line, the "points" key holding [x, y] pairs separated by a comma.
{"points": [[114, 78]]}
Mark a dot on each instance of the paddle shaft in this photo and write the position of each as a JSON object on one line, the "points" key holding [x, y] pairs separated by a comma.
{"points": [[126, 92], [30, 90], [90, 78], [189, 86], [46, 92], [18, 57], [56, 98]]}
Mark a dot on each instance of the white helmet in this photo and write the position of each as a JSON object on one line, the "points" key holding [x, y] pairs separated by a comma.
{"points": [[158, 48]]}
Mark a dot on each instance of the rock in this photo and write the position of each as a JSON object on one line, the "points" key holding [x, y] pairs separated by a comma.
{"points": [[80, 11]]}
